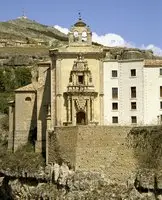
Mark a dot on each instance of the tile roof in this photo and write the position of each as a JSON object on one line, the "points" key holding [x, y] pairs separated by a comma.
{"points": [[153, 63], [27, 88]]}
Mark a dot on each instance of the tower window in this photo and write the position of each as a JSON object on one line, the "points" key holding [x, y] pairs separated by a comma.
{"points": [[76, 36], [84, 36], [80, 79]]}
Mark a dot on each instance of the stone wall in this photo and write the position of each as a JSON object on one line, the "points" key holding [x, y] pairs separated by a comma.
{"points": [[98, 148], [62, 144], [119, 152]]}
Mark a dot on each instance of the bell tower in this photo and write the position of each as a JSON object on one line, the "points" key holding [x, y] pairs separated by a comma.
{"points": [[80, 34]]}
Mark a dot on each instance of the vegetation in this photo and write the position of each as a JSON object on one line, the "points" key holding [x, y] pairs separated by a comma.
{"points": [[24, 159], [11, 78], [147, 146]]}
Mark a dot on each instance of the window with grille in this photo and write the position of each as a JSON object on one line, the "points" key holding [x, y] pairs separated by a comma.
{"points": [[133, 106], [114, 120], [114, 106], [133, 92], [160, 104], [133, 72], [160, 91], [160, 71], [134, 119], [114, 73], [114, 93]]}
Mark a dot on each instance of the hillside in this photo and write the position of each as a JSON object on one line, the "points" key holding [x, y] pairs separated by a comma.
{"points": [[30, 32], [23, 36]]}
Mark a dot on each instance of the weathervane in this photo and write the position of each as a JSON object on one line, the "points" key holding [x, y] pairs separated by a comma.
{"points": [[80, 17]]}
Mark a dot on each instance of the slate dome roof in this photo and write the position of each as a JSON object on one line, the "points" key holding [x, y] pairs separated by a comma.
{"points": [[80, 23]]}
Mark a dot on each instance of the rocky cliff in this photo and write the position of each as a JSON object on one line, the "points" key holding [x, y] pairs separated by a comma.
{"points": [[24, 175]]}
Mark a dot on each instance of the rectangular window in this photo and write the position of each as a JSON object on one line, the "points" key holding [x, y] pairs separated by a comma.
{"points": [[114, 93], [134, 119], [160, 104], [133, 92], [114, 73], [80, 79], [133, 72], [114, 106], [160, 71], [133, 105], [160, 91], [115, 120]]}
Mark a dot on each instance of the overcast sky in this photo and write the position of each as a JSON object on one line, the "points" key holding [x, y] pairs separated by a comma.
{"points": [[116, 22]]}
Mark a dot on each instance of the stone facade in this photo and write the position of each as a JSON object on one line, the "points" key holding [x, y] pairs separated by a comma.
{"points": [[68, 105], [99, 148]]}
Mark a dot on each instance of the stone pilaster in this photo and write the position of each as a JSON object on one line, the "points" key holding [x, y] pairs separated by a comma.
{"points": [[69, 110], [38, 145], [73, 113], [58, 92], [92, 107], [53, 93], [101, 93]]}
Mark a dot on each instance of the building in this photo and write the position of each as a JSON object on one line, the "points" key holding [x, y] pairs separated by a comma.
{"points": [[82, 85]]}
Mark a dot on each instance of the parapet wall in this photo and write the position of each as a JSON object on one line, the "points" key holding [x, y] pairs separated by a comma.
{"points": [[103, 148]]}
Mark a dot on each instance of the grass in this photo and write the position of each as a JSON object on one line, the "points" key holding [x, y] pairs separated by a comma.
{"points": [[25, 50]]}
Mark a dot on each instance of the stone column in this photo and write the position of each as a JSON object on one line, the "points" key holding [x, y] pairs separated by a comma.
{"points": [[92, 107], [88, 111], [73, 112], [58, 92], [48, 119], [53, 92], [69, 110]]}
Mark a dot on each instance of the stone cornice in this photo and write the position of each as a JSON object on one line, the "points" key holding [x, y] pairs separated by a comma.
{"points": [[59, 55]]}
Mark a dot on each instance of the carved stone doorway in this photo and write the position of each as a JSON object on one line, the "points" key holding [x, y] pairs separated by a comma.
{"points": [[81, 118]]}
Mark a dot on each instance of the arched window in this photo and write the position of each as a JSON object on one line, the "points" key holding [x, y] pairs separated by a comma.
{"points": [[84, 36], [76, 36], [27, 99]]}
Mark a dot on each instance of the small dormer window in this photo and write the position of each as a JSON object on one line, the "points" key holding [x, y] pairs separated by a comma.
{"points": [[76, 36], [84, 36]]}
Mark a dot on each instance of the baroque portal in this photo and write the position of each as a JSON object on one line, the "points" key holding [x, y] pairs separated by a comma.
{"points": [[80, 94]]}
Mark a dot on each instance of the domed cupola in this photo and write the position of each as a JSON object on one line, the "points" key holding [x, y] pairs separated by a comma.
{"points": [[80, 34]]}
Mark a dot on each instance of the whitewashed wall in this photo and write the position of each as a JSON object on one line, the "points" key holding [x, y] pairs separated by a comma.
{"points": [[152, 83], [124, 82]]}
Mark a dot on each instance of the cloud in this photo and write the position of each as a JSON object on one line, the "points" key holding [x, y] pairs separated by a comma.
{"points": [[157, 51], [112, 40], [61, 29]]}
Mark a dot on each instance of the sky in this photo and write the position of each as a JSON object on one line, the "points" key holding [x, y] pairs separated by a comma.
{"points": [[132, 23]]}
